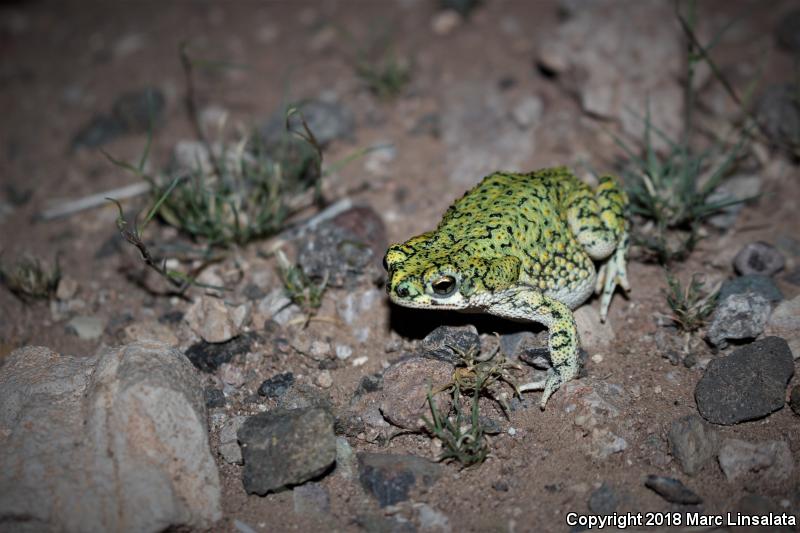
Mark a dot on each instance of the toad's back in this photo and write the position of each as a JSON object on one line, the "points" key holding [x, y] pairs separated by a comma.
{"points": [[523, 215]]}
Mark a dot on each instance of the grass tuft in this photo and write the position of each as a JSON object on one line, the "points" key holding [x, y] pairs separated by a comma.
{"points": [[690, 305], [29, 279], [462, 433], [673, 191], [300, 289]]}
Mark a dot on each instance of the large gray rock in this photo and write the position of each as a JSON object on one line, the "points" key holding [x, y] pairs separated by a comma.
{"points": [[113, 442]]}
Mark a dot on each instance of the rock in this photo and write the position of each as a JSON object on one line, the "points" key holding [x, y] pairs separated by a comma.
{"points": [[214, 321], [778, 115], [738, 317], [277, 385], [208, 357], [324, 379], [329, 121], [87, 327], [513, 345], [67, 288], [277, 306], [228, 441], [310, 499], [794, 399], [785, 322], [746, 385], [389, 478], [594, 334], [754, 283], [345, 249], [610, 72], [150, 330], [693, 443], [112, 442], [770, 460], [285, 448], [301, 396], [232, 374], [406, 384], [215, 398], [758, 258], [672, 490], [788, 32], [440, 342], [604, 500], [528, 111], [478, 136], [139, 111], [444, 22]]}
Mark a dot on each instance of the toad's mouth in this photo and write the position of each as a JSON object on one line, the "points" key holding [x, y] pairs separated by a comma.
{"points": [[455, 302]]}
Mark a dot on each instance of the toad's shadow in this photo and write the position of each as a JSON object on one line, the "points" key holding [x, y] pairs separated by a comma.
{"points": [[418, 323]]}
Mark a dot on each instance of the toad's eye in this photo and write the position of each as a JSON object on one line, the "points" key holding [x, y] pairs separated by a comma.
{"points": [[444, 286]]}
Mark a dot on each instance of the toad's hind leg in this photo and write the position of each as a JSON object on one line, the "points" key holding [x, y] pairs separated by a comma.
{"points": [[598, 222], [528, 304]]}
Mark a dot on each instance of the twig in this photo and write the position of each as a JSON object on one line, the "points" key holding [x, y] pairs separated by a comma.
{"points": [[70, 207]]}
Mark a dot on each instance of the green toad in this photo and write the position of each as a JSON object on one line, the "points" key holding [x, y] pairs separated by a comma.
{"points": [[520, 246]]}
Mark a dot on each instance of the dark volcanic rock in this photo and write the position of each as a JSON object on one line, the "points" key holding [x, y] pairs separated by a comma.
{"points": [[277, 385], [208, 356], [739, 316], [390, 478], [746, 385], [286, 448], [440, 343], [672, 490]]}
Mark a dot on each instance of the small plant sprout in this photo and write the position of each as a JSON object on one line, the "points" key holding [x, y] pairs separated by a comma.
{"points": [[29, 279], [690, 305], [300, 289], [462, 434], [376, 63]]}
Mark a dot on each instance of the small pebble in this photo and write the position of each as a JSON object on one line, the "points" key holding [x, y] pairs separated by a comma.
{"points": [[758, 258], [512, 431], [445, 22], [358, 361], [324, 379]]}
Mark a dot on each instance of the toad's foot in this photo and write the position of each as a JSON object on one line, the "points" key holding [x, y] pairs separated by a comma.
{"points": [[612, 273]]}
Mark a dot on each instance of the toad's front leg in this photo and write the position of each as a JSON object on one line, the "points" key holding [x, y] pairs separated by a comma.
{"points": [[528, 304]]}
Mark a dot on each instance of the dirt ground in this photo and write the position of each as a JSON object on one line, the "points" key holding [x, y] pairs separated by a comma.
{"points": [[62, 62]]}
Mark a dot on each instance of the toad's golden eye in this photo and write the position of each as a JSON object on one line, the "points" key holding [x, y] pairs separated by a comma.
{"points": [[444, 286]]}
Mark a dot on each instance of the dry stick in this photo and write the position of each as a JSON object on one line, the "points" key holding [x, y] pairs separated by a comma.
{"points": [[70, 207]]}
